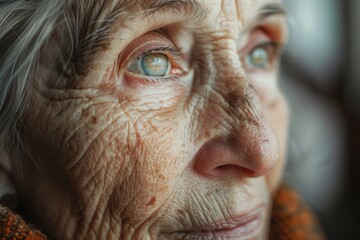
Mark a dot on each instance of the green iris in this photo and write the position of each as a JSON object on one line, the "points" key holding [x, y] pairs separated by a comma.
{"points": [[258, 58], [152, 65], [155, 65]]}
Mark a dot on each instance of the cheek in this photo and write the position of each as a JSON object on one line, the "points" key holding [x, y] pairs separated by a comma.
{"points": [[127, 153], [277, 114], [159, 161]]}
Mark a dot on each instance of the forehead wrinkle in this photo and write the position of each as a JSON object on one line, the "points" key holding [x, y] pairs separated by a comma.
{"points": [[191, 8], [230, 10], [133, 8]]}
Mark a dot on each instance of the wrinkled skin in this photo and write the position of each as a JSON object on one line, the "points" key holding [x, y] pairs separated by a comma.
{"points": [[121, 157]]}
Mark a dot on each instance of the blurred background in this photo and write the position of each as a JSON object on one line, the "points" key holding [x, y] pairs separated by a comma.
{"points": [[321, 78]]}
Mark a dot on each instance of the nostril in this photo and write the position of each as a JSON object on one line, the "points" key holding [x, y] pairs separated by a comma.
{"points": [[234, 170], [243, 155], [227, 169]]}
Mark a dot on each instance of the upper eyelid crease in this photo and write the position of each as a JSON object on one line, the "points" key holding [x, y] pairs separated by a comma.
{"points": [[267, 11], [175, 51], [119, 15]]}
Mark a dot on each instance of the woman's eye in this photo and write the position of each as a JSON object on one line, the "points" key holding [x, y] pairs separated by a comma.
{"points": [[258, 58], [152, 65], [264, 56]]}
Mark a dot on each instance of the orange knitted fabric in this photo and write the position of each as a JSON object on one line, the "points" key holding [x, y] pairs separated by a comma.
{"points": [[291, 220], [12, 226]]}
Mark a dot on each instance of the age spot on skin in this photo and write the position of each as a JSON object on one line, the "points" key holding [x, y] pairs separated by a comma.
{"points": [[94, 120], [152, 201]]}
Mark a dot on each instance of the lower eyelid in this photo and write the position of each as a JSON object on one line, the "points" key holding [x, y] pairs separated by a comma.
{"points": [[134, 81]]}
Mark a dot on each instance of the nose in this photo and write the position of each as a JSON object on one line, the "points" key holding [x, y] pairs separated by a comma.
{"points": [[245, 146], [245, 153]]}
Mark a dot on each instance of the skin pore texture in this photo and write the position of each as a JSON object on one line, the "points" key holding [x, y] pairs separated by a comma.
{"points": [[116, 154]]}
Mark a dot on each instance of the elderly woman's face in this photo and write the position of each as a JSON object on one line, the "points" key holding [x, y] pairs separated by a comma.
{"points": [[177, 131]]}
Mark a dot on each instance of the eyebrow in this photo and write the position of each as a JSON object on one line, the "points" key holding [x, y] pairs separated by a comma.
{"points": [[266, 11], [272, 9], [191, 8]]}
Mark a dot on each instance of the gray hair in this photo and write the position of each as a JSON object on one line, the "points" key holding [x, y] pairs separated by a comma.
{"points": [[25, 27]]}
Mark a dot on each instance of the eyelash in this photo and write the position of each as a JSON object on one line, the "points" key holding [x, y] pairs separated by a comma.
{"points": [[175, 52]]}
